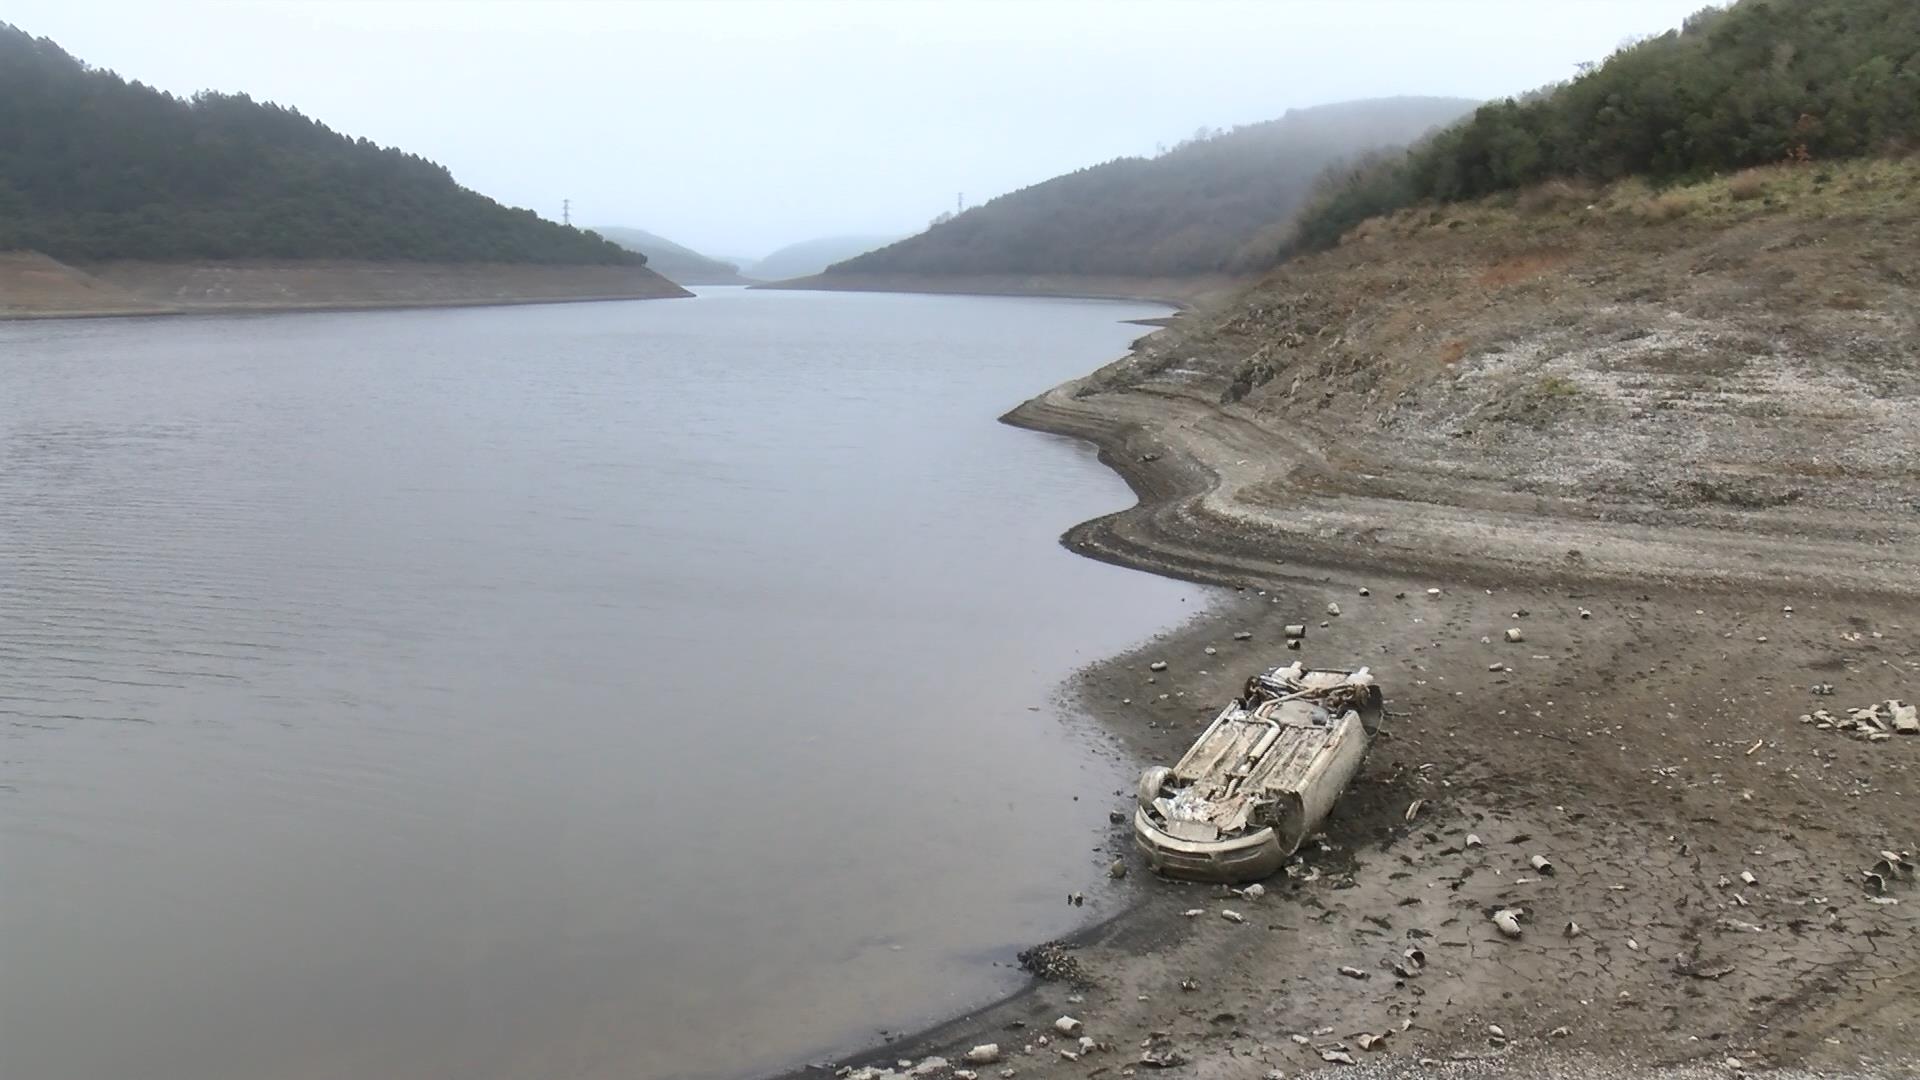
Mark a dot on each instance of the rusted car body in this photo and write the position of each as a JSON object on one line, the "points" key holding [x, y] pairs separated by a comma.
{"points": [[1262, 777]]}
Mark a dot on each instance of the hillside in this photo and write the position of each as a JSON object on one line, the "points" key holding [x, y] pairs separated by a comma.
{"points": [[1214, 205], [93, 167], [812, 256], [1760, 82], [674, 261]]}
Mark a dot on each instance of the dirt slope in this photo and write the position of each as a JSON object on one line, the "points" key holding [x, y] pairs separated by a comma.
{"points": [[35, 286]]}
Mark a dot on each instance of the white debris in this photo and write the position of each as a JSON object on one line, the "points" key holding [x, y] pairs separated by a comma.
{"points": [[1333, 609], [1514, 634], [1210, 650], [1338, 1057], [1541, 865], [1252, 892], [1353, 973], [1194, 912], [1296, 630], [1067, 1025], [1748, 878], [1473, 840], [984, 1054], [1433, 592], [1242, 635], [1508, 920], [928, 1066], [1232, 916]]}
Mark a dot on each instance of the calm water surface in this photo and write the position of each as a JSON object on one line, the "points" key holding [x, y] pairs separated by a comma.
{"points": [[609, 690]]}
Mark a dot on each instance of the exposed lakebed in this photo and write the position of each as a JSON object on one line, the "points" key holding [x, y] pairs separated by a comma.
{"points": [[646, 689]]}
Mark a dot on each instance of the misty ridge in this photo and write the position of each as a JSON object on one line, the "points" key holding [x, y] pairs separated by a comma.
{"points": [[1221, 202]]}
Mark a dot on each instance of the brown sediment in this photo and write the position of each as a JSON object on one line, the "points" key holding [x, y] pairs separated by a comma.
{"points": [[34, 286], [1180, 292]]}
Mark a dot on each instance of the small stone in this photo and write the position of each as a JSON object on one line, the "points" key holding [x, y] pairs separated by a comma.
{"points": [[1210, 650], [1242, 635], [1118, 869], [1333, 609], [1496, 1031], [1157, 665]]}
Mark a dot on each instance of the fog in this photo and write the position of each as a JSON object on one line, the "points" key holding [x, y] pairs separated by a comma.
{"points": [[738, 127]]}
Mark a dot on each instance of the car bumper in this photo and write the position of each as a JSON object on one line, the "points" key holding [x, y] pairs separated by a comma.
{"points": [[1242, 858]]}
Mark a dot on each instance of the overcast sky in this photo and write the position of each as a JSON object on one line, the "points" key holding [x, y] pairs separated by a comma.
{"points": [[736, 127]]}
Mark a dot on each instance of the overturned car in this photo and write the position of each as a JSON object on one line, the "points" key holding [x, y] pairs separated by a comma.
{"points": [[1262, 777]]}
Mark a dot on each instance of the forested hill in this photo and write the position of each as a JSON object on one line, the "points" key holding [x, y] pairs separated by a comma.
{"points": [[1219, 203], [1761, 82], [676, 262], [93, 167]]}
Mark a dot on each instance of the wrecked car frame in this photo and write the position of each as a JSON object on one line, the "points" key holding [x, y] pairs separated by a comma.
{"points": [[1261, 778]]}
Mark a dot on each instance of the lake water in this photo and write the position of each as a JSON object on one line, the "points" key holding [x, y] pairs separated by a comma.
{"points": [[659, 689]]}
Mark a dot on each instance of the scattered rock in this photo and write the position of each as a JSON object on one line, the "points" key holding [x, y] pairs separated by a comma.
{"points": [[1210, 651], [1163, 1057], [1117, 869], [1242, 635], [1333, 609], [1157, 665]]}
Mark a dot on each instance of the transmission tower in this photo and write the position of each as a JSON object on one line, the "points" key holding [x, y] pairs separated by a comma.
{"points": [[566, 212]]}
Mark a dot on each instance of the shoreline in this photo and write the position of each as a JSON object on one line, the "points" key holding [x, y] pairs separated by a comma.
{"points": [[1724, 659], [1181, 294], [34, 287]]}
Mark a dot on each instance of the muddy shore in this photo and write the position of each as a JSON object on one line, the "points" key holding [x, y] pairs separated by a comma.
{"points": [[33, 286], [1650, 747]]}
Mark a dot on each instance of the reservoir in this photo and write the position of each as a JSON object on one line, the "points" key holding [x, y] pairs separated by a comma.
{"points": [[671, 689]]}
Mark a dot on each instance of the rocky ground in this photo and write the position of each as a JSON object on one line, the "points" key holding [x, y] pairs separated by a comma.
{"points": [[1673, 446]]}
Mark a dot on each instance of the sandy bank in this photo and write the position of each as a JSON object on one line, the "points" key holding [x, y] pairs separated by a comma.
{"points": [[34, 286], [1177, 292]]}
